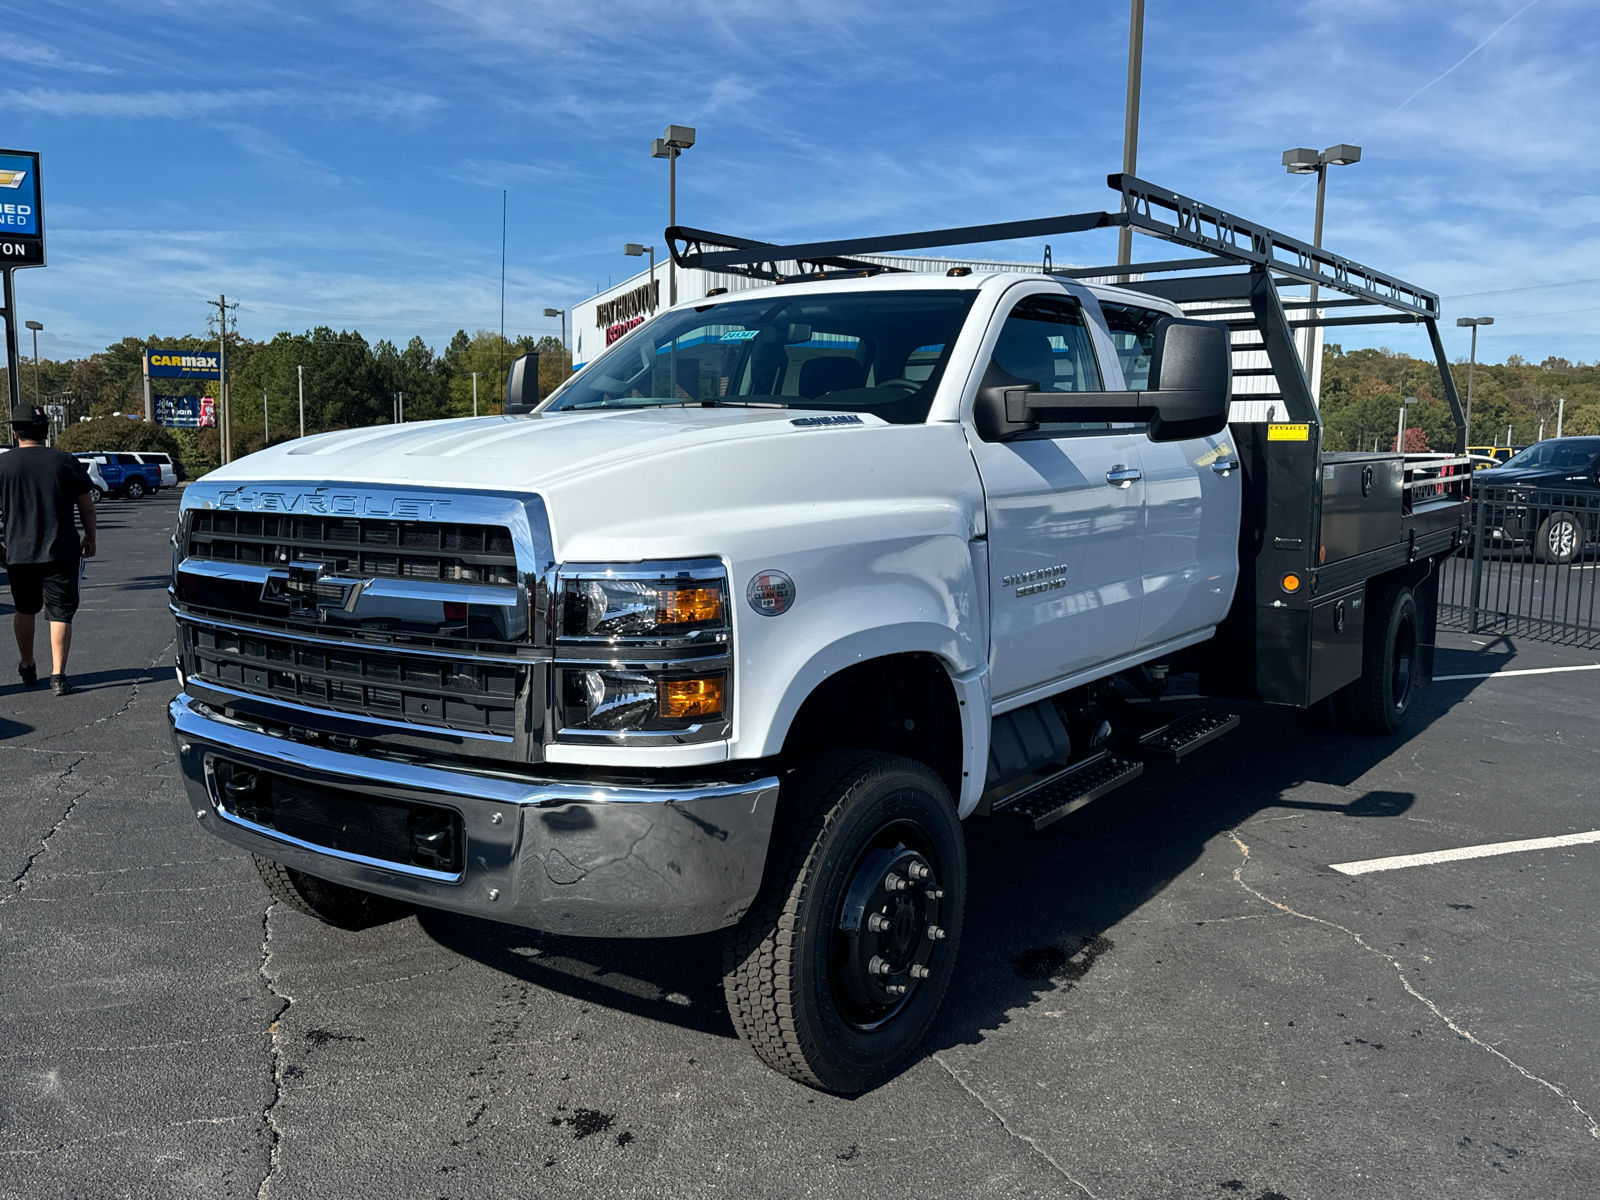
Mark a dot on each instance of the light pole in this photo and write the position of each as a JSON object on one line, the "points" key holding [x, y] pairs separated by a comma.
{"points": [[1472, 360], [266, 425], [300, 382], [474, 393], [1561, 412], [1400, 437], [562, 313], [678, 138], [1130, 121], [635, 250], [1304, 161], [36, 327]]}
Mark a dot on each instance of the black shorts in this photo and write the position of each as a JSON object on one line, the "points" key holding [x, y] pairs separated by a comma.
{"points": [[52, 586]]}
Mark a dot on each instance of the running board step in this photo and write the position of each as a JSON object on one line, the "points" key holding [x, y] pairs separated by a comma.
{"points": [[1070, 789], [1171, 742]]}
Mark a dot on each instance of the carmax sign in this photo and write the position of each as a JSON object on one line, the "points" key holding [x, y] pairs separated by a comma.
{"points": [[161, 363]]}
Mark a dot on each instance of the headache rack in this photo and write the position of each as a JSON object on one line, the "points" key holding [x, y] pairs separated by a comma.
{"points": [[1335, 521]]}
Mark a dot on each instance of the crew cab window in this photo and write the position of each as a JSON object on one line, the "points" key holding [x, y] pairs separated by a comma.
{"points": [[1045, 339], [1133, 333], [880, 352]]}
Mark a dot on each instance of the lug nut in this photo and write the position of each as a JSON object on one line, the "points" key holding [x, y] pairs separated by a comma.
{"points": [[878, 923], [494, 893], [935, 933], [918, 971], [495, 819], [201, 813], [935, 893], [919, 871], [878, 966], [893, 883]]}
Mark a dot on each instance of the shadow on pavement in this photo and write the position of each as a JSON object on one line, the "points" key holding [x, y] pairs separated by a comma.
{"points": [[1039, 906]]}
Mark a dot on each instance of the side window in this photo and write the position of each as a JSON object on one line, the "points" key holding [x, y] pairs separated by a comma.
{"points": [[1045, 339], [1133, 334]]}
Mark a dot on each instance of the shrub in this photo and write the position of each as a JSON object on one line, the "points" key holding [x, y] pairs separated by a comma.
{"points": [[116, 433]]}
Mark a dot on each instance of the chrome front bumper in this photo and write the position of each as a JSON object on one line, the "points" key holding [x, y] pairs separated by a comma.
{"points": [[558, 855]]}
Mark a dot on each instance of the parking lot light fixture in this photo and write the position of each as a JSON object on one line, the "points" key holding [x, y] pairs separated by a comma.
{"points": [[1472, 360], [35, 326], [635, 250], [674, 142], [562, 313], [1304, 161]]}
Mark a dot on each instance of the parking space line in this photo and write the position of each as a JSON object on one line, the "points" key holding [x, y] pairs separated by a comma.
{"points": [[1528, 671], [1368, 865]]}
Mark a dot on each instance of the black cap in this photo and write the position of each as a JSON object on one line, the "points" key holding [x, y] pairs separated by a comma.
{"points": [[27, 414]]}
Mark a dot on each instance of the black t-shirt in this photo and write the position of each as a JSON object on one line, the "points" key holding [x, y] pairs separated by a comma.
{"points": [[39, 490]]}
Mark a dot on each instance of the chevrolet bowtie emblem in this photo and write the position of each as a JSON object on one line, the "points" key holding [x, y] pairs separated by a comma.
{"points": [[307, 589]]}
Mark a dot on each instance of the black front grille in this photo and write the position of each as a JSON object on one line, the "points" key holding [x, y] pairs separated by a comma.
{"points": [[418, 835], [363, 546], [466, 695]]}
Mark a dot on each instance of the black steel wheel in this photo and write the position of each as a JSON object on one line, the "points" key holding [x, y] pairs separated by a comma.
{"points": [[331, 903], [1381, 699], [838, 969], [134, 489], [1559, 540]]}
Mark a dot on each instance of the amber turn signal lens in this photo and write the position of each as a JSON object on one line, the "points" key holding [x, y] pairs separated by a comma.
{"points": [[688, 605], [677, 699], [1291, 582]]}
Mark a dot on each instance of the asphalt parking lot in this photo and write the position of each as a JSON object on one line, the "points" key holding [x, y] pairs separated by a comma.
{"points": [[1170, 994]]}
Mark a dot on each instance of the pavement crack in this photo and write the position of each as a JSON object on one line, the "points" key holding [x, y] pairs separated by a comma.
{"points": [[1021, 1137], [275, 1033], [19, 881], [1458, 1030]]}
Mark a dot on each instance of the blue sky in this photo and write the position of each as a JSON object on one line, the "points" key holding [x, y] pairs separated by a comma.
{"points": [[342, 163]]}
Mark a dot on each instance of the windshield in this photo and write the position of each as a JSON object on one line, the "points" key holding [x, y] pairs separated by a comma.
{"points": [[881, 353], [1558, 453]]}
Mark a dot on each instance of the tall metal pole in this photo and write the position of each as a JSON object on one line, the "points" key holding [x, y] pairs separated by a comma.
{"points": [[400, 399], [1561, 412], [672, 218], [474, 393], [222, 379], [13, 358], [500, 361], [1130, 120], [300, 380], [653, 299], [1472, 366], [1313, 356], [33, 327], [266, 422]]}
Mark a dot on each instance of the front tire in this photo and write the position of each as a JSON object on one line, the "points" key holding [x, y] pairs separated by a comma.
{"points": [[95, 495], [835, 974], [331, 903], [1559, 540]]}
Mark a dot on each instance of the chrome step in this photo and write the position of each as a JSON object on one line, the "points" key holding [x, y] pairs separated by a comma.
{"points": [[1070, 788], [1171, 742]]}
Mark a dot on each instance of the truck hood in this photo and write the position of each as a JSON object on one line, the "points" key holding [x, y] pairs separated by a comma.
{"points": [[508, 453], [627, 484]]}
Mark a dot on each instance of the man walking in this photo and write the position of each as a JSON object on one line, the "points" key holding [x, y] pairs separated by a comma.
{"points": [[39, 488]]}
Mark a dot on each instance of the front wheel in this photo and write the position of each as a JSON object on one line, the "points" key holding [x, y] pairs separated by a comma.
{"points": [[1559, 540], [331, 903], [95, 495], [838, 969], [134, 489]]}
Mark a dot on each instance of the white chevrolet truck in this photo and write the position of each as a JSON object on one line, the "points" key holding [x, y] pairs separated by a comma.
{"points": [[737, 627]]}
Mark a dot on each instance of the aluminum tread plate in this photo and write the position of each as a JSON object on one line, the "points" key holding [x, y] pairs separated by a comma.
{"points": [[1070, 790]]}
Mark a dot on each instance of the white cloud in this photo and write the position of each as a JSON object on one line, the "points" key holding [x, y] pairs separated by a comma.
{"points": [[62, 103], [17, 48]]}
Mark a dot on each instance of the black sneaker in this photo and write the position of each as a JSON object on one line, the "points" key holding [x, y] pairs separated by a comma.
{"points": [[61, 685], [29, 673]]}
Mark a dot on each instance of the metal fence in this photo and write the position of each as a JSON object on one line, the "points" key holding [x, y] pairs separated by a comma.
{"points": [[1531, 567]]}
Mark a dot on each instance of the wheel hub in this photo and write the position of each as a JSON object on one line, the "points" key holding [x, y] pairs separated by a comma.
{"points": [[888, 929]]}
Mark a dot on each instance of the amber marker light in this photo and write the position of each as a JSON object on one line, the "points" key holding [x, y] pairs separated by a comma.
{"points": [[1291, 583], [679, 699], [688, 605]]}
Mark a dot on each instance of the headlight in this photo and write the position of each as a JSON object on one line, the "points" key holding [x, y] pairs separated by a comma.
{"points": [[643, 649]]}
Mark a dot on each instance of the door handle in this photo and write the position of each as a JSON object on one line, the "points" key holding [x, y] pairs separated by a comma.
{"points": [[1226, 465], [1123, 477]]}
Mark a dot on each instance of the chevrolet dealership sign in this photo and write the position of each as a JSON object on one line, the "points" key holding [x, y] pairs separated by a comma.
{"points": [[21, 219]]}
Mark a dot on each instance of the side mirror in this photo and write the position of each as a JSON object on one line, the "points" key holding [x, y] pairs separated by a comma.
{"points": [[1191, 383], [522, 385]]}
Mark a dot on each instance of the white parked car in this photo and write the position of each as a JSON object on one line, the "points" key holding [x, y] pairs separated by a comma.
{"points": [[735, 629]]}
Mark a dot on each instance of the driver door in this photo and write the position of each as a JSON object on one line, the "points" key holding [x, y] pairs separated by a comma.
{"points": [[1065, 512]]}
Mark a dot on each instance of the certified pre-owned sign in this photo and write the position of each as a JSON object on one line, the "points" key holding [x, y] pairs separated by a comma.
{"points": [[21, 221]]}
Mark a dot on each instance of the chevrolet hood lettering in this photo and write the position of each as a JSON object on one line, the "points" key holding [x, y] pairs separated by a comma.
{"points": [[325, 502]]}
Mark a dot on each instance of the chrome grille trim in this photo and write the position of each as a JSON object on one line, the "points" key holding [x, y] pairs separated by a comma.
{"points": [[347, 643]]}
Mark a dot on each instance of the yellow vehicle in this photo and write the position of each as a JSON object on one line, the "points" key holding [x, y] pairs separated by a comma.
{"points": [[1485, 457]]}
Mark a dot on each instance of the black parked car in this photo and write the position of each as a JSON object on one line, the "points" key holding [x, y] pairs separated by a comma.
{"points": [[1547, 498]]}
